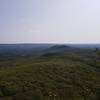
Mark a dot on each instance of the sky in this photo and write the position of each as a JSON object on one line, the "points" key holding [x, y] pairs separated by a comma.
{"points": [[49, 21]]}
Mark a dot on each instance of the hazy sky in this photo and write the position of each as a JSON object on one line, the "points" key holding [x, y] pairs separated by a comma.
{"points": [[49, 21]]}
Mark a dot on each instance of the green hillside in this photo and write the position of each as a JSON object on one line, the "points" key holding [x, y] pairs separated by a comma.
{"points": [[70, 75]]}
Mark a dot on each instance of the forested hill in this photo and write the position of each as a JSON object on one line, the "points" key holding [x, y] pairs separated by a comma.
{"points": [[34, 49], [56, 72]]}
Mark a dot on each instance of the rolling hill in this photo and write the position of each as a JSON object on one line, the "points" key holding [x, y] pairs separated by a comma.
{"points": [[59, 72]]}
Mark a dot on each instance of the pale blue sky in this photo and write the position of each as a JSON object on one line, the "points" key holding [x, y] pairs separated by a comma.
{"points": [[49, 21]]}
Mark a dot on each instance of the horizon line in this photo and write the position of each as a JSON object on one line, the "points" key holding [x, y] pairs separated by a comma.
{"points": [[50, 43]]}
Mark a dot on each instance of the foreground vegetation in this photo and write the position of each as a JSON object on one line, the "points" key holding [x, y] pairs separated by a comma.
{"points": [[52, 76]]}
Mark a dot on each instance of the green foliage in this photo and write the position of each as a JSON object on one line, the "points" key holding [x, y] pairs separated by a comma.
{"points": [[66, 76]]}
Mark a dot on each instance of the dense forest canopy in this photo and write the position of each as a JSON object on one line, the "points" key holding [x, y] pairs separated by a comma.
{"points": [[50, 72]]}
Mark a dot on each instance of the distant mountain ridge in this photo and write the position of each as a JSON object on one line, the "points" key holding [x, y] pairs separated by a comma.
{"points": [[60, 47], [56, 50], [34, 49]]}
